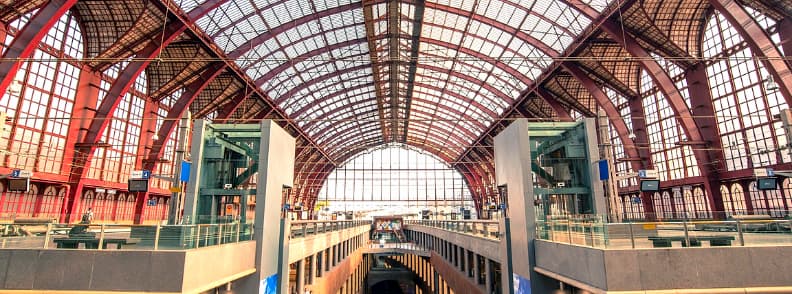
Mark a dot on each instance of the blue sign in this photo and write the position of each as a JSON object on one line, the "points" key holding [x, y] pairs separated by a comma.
{"points": [[286, 206], [502, 206], [636, 200], [269, 285], [770, 172], [146, 174], [603, 170], [185, 172], [152, 202], [642, 173], [15, 173], [521, 284]]}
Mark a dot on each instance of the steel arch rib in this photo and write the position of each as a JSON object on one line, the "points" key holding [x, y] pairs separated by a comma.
{"points": [[84, 153], [235, 102], [169, 124], [260, 39], [447, 108], [610, 110], [760, 43], [352, 69], [29, 38], [559, 109], [314, 103], [660, 78]]}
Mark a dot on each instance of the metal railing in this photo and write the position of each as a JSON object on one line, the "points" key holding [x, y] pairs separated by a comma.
{"points": [[666, 234], [480, 228], [301, 229], [124, 237]]}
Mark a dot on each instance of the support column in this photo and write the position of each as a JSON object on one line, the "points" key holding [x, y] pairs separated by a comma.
{"points": [[704, 111], [436, 283], [462, 259], [312, 276], [488, 275], [276, 170], [476, 269], [300, 276]]}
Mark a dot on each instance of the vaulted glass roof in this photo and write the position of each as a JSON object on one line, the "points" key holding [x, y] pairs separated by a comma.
{"points": [[433, 74]]}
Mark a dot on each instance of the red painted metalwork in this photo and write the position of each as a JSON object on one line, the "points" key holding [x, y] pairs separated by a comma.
{"points": [[610, 110], [760, 43], [232, 105], [260, 39], [28, 39], [785, 32], [579, 42], [662, 80], [84, 152], [704, 111], [147, 129], [559, 109], [638, 120], [191, 92]]}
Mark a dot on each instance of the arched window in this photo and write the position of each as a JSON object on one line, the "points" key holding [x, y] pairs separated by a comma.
{"points": [[728, 205], [18, 204], [744, 107], [396, 179], [787, 186], [126, 208], [703, 209], [657, 200], [679, 204], [51, 203], [99, 207], [41, 110], [87, 201], [758, 200], [115, 162], [738, 199], [672, 160]]}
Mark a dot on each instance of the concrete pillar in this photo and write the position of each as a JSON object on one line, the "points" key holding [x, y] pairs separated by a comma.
{"points": [[275, 170], [312, 274], [488, 275], [476, 269], [335, 255], [462, 259], [327, 262], [435, 283], [301, 276]]}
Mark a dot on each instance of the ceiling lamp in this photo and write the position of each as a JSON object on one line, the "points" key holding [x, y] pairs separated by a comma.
{"points": [[15, 87], [770, 84]]}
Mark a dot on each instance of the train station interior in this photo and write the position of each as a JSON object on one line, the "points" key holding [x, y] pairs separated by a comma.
{"points": [[395, 146]]}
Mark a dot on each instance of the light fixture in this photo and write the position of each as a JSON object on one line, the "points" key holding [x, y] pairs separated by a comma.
{"points": [[770, 84], [631, 136], [15, 87]]}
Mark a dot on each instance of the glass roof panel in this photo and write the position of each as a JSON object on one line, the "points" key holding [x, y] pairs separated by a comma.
{"points": [[474, 58]]}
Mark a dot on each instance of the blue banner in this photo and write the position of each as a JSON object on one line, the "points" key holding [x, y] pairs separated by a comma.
{"points": [[269, 285], [603, 170], [521, 285], [185, 171]]}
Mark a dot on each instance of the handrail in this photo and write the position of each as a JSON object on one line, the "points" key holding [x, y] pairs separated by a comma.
{"points": [[133, 236], [480, 228], [674, 234]]}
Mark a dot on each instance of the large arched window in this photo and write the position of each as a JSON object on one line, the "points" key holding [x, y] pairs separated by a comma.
{"points": [[396, 180], [672, 160], [40, 109], [744, 107], [115, 161]]}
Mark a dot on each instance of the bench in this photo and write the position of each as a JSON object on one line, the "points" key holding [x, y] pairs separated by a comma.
{"points": [[695, 241], [91, 243]]}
